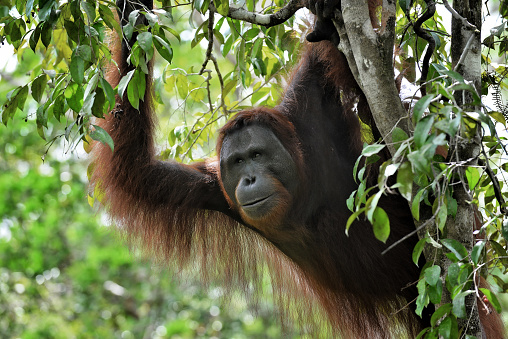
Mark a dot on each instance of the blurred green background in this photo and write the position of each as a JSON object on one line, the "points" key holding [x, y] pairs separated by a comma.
{"points": [[65, 274]]}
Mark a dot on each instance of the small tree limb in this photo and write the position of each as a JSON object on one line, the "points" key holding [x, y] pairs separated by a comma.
{"points": [[266, 20]]}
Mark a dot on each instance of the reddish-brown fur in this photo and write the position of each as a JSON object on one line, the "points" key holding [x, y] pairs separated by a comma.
{"points": [[180, 214]]}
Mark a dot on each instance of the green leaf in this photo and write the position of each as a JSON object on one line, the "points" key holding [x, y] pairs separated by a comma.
{"points": [[84, 52], [372, 149], [492, 299], [29, 7], [133, 93], [198, 94], [455, 247], [9, 110], [151, 18], [436, 292], [350, 202], [405, 180], [230, 85], [422, 130], [145, 41], [500, 252], [46, 32], [122, 86], [381, 224], [77, 69], [423, 297], [59, 107], [74, 96], [405, 5], [372, 205], [89, 8], [417, 251], [251, 34], [352, 218], [98, 103], [141, 83], [164, 48], [398, 135], [182, 86], [99, 134], [42, 117], [451, 205], [415, 205], [21, 97], [222, 7], [432, 275], [110, 93], [173, 32], [35, 36], [439, 313], [421, 106], [477, 251], [453, 274], [441, 216], [38, 87], [88, 103], [448, 329], [472, 176], [499, 117], [459, 304], [128, 30], [109, 19]]}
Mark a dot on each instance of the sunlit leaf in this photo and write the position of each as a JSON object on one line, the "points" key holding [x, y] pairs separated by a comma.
{"points": [[492, 299], [74, 96], [381, 224], [472, 176], [455, 247]]}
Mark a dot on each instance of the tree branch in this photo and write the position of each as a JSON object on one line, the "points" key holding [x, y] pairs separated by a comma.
{"points": [[266, 20], [422, 33]]}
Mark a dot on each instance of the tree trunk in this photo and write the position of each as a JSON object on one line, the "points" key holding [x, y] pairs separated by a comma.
{"points": [[370, 57], [466, 59]]}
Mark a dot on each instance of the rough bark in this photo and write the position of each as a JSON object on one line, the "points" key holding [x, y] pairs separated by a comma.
{"points": [[466, 59], [370, 56]]}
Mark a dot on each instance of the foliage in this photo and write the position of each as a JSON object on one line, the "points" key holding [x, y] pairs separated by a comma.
{"points": [[427, 171], [63, 53], [64, 276], [61, 274]]}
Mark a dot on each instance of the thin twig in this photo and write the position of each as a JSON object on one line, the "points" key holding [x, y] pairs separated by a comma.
{"points": [[495, 183], [209, 49], [409, 235], [464, 53], [457, 16]]}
